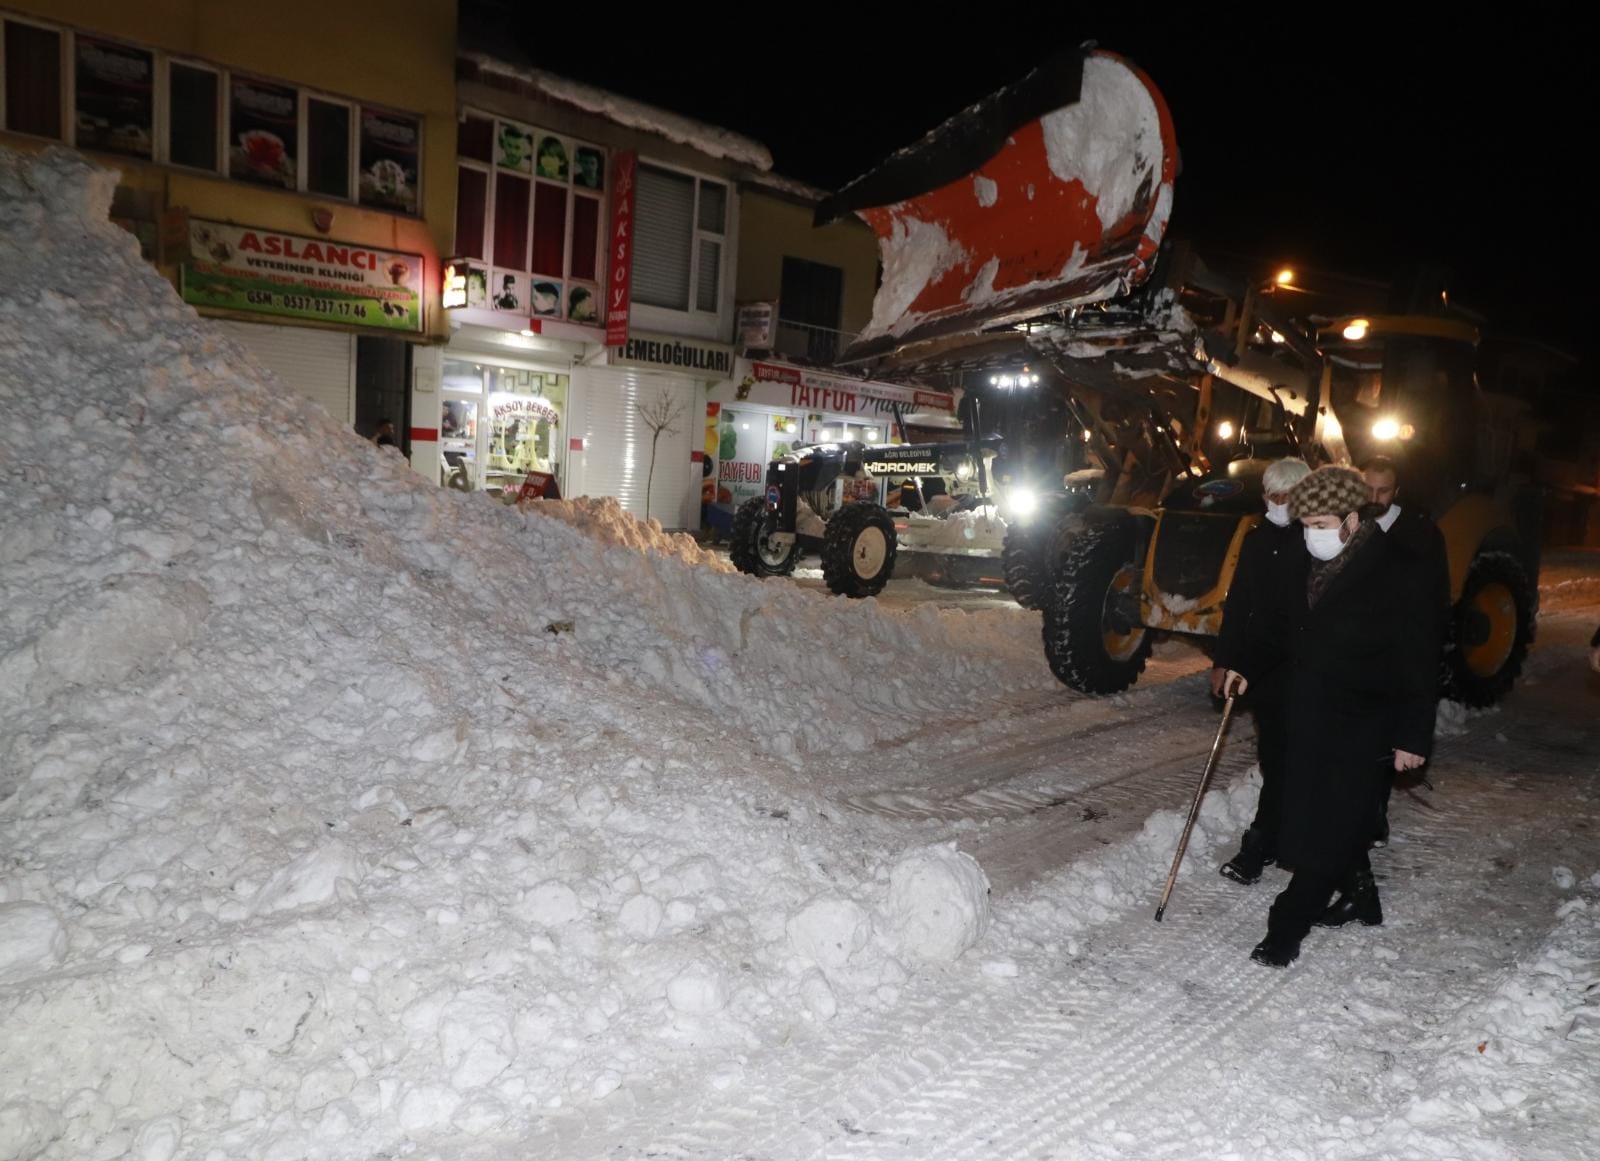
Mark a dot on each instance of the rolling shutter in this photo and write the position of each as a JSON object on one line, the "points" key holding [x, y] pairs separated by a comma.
{"points": [[663, 239], [609, 416], [317, 364]]}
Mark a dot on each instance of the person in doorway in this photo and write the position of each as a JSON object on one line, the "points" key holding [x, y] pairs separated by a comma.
{"points": [[383, 435], [1247, 613], [1362, 654], [1412, 530]]}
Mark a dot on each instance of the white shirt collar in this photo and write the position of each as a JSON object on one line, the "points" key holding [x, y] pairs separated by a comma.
{"points": [[1386, 521]]}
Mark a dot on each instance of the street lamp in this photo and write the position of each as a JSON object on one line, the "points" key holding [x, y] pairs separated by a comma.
{"points": [[1356, 329], [1284, 277]]}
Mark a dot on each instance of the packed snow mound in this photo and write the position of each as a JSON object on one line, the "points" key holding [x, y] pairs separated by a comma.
{"points": [[938, 903], [606, 519], [362, 814]]}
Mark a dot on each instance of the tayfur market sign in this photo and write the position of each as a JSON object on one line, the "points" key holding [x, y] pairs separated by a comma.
{"points": [[691, 356]]}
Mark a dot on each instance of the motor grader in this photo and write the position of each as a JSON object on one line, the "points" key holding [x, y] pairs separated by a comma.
{"points": [[1030, 228]]}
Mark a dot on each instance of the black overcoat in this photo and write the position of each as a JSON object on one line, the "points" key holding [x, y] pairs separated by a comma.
{"points": [[1362, 683]]}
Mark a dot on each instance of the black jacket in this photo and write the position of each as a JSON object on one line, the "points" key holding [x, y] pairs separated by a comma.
{"points": [[1249, 614], [1362, 682], [1416, 533]]}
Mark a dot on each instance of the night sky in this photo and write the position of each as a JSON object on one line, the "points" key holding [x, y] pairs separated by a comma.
{"points": [[1359, 149]]}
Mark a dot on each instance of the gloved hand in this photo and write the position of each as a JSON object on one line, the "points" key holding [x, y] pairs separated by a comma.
{"points": [[1406, 760]]}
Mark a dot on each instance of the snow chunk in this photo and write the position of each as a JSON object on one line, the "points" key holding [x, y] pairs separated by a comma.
{"points": [[1110, 140], [311, 879], [124, 628], [1563, 877], [698, 990], [938, 903], [640, 917], [32, 939], [987, 191], [551, 904], [829, 931]]}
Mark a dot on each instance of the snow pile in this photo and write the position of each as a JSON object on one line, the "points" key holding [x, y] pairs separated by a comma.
{"points": [[977, 530], [707, 139], [343, 812], [606, 519]]}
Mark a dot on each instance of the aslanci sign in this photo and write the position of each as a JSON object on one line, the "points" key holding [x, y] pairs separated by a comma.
{"points": [[265, 272]]}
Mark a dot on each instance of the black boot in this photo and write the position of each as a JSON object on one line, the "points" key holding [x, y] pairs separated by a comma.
{"points": [[1254, 854], [1358, 900], [1278, 950]]}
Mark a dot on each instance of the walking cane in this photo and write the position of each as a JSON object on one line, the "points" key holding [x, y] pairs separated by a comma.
{"points": [[1194, 807]]}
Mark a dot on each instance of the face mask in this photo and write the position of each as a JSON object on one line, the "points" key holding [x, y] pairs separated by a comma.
{"points": [[1278, 514], [1324, 543]]}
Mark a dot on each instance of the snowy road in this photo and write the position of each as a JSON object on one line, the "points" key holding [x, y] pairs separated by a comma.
{"points": [[1083, 1030]]}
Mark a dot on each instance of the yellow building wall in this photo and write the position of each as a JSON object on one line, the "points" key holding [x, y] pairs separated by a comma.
{"points": [[399, 54], [772, 227]]}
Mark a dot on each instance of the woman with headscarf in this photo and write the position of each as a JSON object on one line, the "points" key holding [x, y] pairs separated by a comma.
{"points": [[1362, 650]]}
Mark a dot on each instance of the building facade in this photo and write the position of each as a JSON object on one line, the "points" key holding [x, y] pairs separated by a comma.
{"points": [[289, 167]]}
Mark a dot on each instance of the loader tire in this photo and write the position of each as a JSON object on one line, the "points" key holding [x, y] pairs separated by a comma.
{"points": [[1029, 554], [1491, 628], [749, 548], [858, 550], [1091, 639]]}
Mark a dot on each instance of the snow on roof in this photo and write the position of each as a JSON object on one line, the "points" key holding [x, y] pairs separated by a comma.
{"points": [[712, 140]]}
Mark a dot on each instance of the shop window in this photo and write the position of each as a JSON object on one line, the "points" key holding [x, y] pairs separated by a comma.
{"points": [[33, 79], [549, 228], [192, 116], [585, 238], [524, 425], [510, 221], [475, 139], [680, 237], [472, 197], [541, 225], [114, 97], [263, 133], [390, 161], [327, 147]]}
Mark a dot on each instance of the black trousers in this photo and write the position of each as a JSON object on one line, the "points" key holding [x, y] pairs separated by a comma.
{"points": [[1272, 753], [1307, 896]]}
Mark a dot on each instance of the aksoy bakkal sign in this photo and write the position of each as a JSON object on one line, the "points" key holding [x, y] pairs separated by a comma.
{"points": [[288, 276]]}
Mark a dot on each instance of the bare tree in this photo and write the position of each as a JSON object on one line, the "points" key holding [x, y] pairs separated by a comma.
{"points": [[661, 417]]}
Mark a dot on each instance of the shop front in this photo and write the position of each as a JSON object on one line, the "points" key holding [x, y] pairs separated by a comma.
{"points": [[309, 310], [769, 408], [502, 424]]}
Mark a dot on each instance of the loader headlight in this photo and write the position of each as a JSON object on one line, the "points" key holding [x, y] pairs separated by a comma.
{"points": [[1023, 501], [1386, 430], [963, 471]]}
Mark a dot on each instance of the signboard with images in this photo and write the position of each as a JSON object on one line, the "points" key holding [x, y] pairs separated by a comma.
{"points": [[265, 272], [114, 97], [389, 149], [754, 325], [264, 132]]}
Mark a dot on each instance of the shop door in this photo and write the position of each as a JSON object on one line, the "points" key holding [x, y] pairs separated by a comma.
{"points": [[383, 387], [616, 414], [319, 365]]}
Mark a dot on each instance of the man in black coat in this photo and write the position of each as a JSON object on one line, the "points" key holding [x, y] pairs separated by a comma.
{"points": [[1412, 529], [1247, 614], [1362, 650]]}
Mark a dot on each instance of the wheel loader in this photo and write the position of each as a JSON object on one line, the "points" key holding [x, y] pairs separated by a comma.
{"points": [[1030, 228]]}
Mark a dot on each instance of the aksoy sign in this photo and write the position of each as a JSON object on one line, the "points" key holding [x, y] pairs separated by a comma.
{"points": [[619, 275]]}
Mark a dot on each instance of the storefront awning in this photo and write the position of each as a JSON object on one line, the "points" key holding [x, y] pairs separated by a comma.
{"points": [[776, 384]]}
